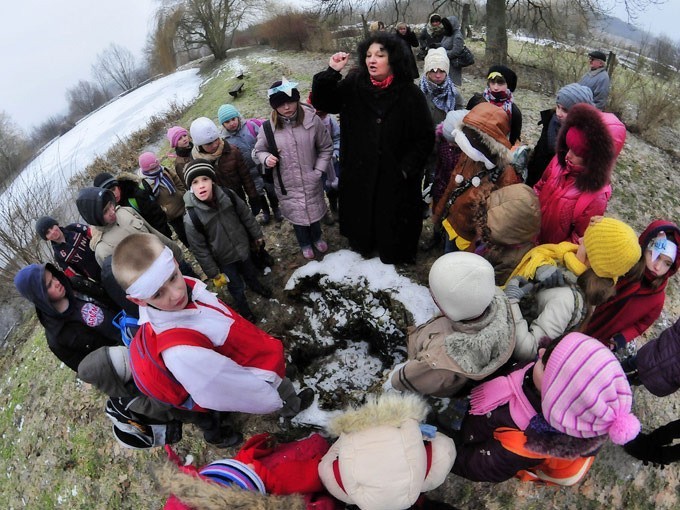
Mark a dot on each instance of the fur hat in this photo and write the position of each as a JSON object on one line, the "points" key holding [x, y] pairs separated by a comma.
{"points": [[572, 94], [462, 284], [491, 122], [611, 246], [282, 91], [43, 225], [105, 180], [196, 168], [148, 162], [585, 392], [203, 131], [513, 214], [598, 55], [599, 156], [436, 58], [227, 112], [508, 74], [174, 134]]}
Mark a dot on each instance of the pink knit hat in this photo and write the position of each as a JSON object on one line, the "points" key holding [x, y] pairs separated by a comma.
{"points": [[148, 161], [585, 392], [174, 134]]}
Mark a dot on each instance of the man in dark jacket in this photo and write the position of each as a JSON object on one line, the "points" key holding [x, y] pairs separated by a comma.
{"points": [[75, 324]]}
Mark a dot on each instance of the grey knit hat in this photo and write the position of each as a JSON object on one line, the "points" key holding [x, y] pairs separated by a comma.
{"points": [[572, 94]]}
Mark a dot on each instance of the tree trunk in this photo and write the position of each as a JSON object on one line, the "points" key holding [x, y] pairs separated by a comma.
{"points": [[465, 22], [496, 35]]}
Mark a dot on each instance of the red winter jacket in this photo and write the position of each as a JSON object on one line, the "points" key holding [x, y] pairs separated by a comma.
{"points": [[636, 304]]}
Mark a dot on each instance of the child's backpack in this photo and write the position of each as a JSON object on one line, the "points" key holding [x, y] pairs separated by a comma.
{"points": [[133, 431], [251, 123]]}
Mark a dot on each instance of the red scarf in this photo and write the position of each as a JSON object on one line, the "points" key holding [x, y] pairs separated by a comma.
{"points": [[383, 84]]}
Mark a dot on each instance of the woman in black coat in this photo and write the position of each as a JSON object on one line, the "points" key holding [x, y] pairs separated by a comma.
{"points": [[386, 136]]}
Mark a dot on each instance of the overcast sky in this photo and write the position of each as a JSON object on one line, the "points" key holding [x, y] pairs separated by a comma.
{"points": [[47, 47]]}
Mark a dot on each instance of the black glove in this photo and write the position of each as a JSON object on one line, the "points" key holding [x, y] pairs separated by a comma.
{"points": [[517, 288], [255, 204]]}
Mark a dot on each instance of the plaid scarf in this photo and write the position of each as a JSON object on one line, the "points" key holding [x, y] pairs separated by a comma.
{"points": [[443, 96]]}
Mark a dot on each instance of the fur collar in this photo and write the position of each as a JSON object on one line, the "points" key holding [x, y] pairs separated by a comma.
{"points": [[601, 156], [545, 440], [198, 493], [390, 409]]}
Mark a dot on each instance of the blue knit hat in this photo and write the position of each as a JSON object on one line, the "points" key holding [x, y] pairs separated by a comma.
{"points": [[227, 112], [230, 472]]}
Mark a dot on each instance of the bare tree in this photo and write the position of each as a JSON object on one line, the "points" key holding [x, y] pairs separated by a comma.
{"points": [[212, 23], [83, 98], [54, 126], [14, 150], [116, 65]]}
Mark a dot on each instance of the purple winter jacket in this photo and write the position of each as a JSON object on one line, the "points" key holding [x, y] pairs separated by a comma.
{"points": [[658, 362]]}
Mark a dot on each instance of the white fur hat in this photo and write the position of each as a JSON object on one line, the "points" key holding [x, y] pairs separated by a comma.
{"points": [[203, 131], [436, 58], [462, 284]]}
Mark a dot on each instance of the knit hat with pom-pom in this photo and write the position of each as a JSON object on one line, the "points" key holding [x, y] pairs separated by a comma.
{"points": [[585, 392]]}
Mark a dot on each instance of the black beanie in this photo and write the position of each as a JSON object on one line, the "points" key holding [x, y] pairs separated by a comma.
{"points": [[196, 168], [43, 225], [507, 73], [104, 180], [278, 98]]}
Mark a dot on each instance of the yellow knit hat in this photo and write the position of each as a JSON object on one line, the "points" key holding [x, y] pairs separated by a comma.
{"points": [[612, 247]]}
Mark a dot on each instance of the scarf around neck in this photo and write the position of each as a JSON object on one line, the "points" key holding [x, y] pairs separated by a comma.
{"points": [[504, 390], [382, 84], [158, 178], [443, 96], [503, 100], [197, 153]]}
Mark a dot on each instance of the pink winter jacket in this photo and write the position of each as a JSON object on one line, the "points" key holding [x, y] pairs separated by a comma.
{"points": [[565, 216], [305, 152]]}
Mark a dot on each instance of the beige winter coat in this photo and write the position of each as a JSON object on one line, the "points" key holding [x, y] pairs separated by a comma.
{"points": [[381, 454], [128, 221]]}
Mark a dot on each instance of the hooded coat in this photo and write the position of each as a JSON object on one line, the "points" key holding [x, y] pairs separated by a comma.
{"points": [[486, 127], [637, 304], [571, 196], [85, 326], [135, 193], [91, 202], [386, 137], [305, 153], [453, 42], [380, 460]]}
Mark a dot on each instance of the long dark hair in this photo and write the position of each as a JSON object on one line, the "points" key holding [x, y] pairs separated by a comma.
{"points": [[396, 52]]}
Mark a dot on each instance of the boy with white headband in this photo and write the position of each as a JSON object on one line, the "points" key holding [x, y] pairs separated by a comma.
{"points": [[193, 351]]}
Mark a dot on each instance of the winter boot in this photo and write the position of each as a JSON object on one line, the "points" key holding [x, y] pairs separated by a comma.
{"points": [[262, 290], [277, 215], [244, 311]]}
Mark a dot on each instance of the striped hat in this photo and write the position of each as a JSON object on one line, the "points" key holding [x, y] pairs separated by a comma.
{"points": [[230, 472], [585, 392]]}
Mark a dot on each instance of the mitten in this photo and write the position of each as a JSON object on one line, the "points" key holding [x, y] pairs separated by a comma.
{"points": [[549, 276], [220, 280], [517, 288]]}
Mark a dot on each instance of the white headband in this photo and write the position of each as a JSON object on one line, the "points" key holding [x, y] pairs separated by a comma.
{"points": [[662, 246], [153, 278]]}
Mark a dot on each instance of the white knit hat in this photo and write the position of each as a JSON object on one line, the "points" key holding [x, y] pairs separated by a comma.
{"points": [[462, 284], [436, 58], [203, 131]]}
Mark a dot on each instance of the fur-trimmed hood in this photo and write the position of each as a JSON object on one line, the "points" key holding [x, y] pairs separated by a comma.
{"points": [[388, 409], [600, 157], [196, 493], [544, 440]]}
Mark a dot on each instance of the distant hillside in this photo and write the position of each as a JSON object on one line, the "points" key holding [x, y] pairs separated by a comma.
{"points": [[619, 29]]}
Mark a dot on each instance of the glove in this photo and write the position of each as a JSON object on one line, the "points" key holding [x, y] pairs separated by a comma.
{"points": [[629, 366], [549, 276], [220, 280], [517, 288]]}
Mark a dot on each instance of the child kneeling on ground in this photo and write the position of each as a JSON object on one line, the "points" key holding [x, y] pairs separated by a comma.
{"points": [[193, 351], [545, 421]]}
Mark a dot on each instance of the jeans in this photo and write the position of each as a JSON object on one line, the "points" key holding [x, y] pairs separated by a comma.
{"points": [[307, 235], [237, 272]]}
